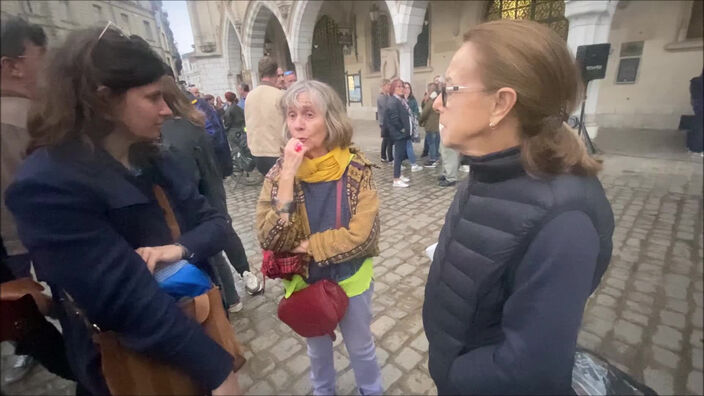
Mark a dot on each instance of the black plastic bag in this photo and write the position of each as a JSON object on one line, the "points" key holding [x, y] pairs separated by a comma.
{"points": [[593, 375]]}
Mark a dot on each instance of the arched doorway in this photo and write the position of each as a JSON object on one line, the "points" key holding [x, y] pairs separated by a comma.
{"points": [[233, 54], [327, 62]]}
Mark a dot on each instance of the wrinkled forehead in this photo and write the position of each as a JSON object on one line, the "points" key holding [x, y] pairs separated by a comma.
{"points": [[305, 100]]}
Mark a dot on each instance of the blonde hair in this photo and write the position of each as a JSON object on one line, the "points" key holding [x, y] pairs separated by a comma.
{"points": [[327, 101], [534, 61], [179, 103]]}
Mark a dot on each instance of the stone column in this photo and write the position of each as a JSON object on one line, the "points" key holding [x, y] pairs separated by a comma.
{"points": [[590, 23], [405, 55], [301, 70]]}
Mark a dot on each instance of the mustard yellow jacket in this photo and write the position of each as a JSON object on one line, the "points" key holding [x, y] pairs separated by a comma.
{"points": [[359, 239]]}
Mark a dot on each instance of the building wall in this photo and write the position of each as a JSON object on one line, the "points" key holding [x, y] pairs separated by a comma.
{"points": [[660, 94], [209, 75], [448, 22], [59, 18], [656, 100]]}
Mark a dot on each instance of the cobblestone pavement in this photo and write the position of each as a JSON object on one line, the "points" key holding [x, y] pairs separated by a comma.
{"points": [[646, 317]]}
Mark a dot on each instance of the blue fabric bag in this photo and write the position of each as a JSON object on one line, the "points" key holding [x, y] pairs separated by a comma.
{"points": [[182, 279]]}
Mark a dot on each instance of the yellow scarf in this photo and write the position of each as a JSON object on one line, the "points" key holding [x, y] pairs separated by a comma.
{"points": [[328, 167]]}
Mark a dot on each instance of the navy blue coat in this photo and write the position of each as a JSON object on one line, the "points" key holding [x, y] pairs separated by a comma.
{"points": [[81, 215], [396, 119]]}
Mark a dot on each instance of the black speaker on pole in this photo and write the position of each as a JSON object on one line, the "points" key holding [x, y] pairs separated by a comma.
{"points": [[592, 61]]}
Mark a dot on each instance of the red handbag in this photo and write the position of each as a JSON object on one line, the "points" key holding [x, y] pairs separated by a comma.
{"points": [[317, 309]]}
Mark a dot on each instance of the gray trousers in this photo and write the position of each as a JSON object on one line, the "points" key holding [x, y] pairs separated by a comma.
{"points": [[450, 162], [359, 340]]}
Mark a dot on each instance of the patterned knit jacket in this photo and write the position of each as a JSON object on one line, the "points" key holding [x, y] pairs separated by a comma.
{"points": [[359, 239]]}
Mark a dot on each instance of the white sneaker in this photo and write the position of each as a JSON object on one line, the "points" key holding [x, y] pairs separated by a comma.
{"points": [[416, 168], [464, 168], [19, 369], [234, 308], [251, 283], [404, 179], [400, 183]]}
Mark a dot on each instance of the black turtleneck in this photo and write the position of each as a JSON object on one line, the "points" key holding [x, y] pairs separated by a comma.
{"points": [[498, 166]]}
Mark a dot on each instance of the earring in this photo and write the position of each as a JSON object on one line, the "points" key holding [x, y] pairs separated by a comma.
{"points": [[492, 125]]}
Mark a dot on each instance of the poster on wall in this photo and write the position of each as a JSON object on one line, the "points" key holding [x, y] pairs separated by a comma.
{"points": [[354, 88]]}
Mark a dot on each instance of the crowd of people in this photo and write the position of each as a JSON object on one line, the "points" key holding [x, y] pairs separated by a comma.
{"points": [[117, 174]]}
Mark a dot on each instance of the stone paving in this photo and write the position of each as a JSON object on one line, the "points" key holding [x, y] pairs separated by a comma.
{"points": [[646, 317]]}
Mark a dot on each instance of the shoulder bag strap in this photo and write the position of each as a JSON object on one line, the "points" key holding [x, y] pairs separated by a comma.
{"points": [[168, 212], [338, 205]]}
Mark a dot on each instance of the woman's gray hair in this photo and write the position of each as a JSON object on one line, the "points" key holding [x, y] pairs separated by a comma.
{"points": [[328, 103]]}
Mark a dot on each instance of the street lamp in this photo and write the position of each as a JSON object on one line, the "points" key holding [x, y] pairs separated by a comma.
{"points": [[374, 13]]}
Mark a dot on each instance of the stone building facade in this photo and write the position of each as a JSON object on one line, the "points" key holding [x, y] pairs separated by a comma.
{"points": [[656, 47], [145, 18]]}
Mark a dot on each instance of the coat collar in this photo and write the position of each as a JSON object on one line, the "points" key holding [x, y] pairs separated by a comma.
{"points": [[498, 166]]}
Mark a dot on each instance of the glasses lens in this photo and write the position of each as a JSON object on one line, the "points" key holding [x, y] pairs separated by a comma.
{"points": [[443, 92]]}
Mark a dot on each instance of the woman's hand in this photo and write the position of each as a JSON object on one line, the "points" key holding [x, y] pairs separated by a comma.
{"points": [[293, 156], [229, 387], [160, 254], [302, 247]]}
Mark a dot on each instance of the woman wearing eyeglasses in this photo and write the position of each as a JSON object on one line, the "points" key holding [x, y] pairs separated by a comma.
{"points": [[528, 235], [89, 204]]}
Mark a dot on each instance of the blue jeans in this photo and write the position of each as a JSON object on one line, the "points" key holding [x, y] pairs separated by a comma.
{"points": [[359, 340], [409, 152], [433, 139], [400, 154]]}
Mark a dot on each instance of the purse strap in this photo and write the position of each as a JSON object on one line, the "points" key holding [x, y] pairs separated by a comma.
{"points": [[338, 205], [168, 212]]}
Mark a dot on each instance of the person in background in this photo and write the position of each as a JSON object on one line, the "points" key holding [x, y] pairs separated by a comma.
{"points": [[184, 135], [429, 120], [280, 80], [263, 118], [230, 100], [450, 158], [86, 202], [387, 144], [23, 50], [194, 90], [528, 235], [216, 132], [289, 78], [296, 212], [397, 122], [233, 119], [243, 91], [410, 100]]}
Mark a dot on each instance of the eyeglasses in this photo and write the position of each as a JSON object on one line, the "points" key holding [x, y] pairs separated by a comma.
{"points": [[455, 89], [117, 27]]}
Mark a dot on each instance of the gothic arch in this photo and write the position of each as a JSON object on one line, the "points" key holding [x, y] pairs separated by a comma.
{"points": [[254, 26]]}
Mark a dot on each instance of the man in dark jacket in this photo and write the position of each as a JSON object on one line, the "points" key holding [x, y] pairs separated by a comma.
{"points": [[397, 123]]}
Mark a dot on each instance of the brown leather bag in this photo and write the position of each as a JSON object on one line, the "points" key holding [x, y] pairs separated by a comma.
{"points": [[127, 372]]}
